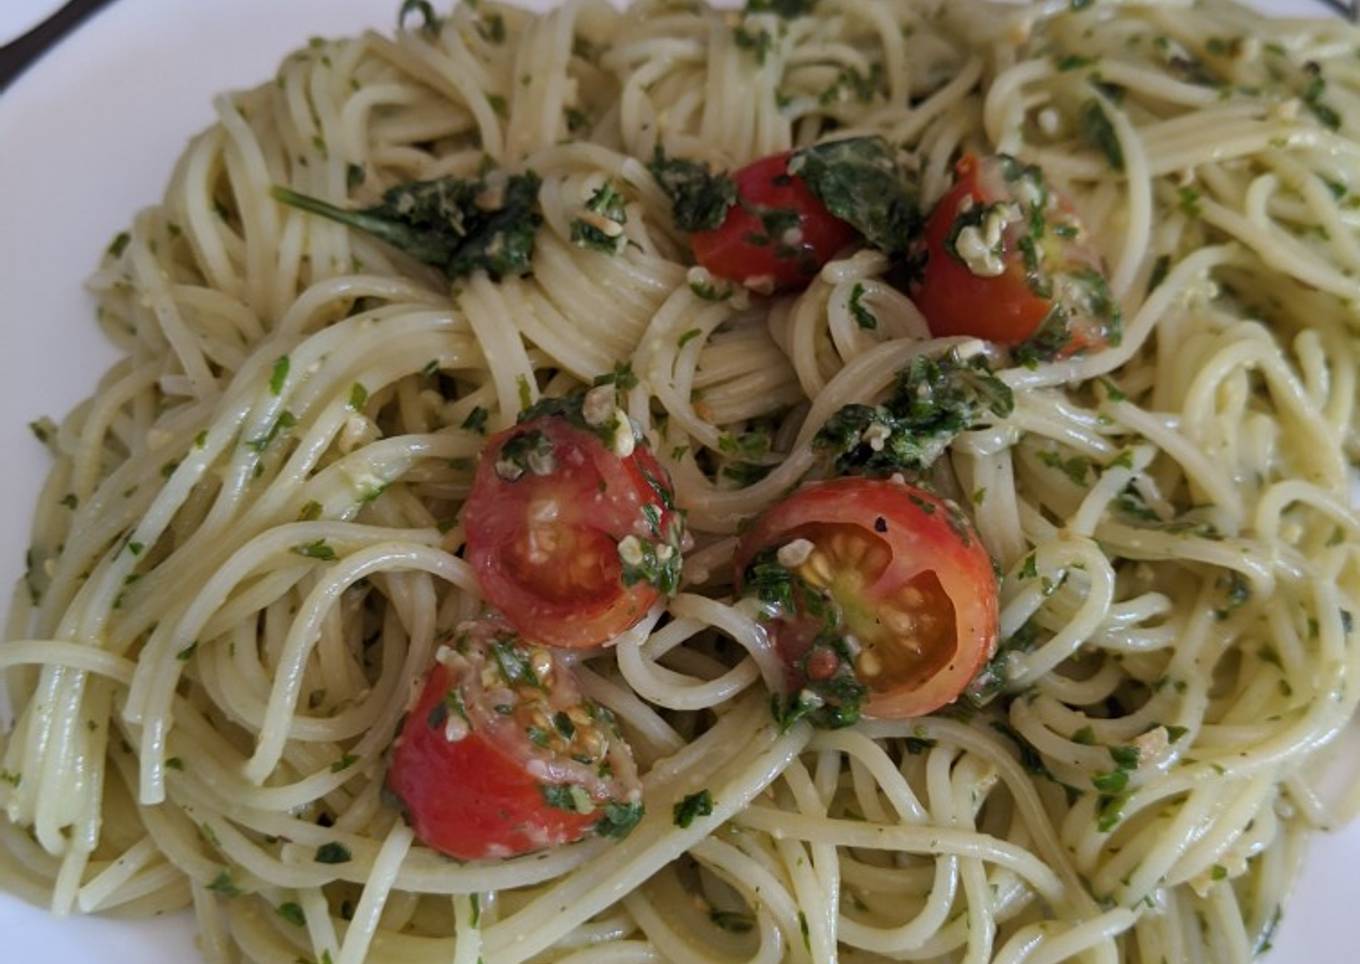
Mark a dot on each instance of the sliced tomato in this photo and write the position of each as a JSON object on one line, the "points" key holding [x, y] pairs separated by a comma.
{"points": [[878, 591], [572, 541], [502, 755], [1004, 257], [777, 235]]}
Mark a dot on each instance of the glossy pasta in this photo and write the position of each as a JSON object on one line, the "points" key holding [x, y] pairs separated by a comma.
{"points": [[201, 710]]}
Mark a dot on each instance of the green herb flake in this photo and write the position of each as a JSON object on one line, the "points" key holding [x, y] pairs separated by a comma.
{"points": [[699, 198], [1097, 131], [860, 182], [223, 884], [454, 224], [862, 315], [292, 913], [316, 550], [732, 922], [603, 229], [476, 420], [619, 819], [698, 804], [333, 853], [933, 401]]}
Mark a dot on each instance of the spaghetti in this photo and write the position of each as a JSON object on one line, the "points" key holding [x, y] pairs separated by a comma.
{"points": [[203, 712]]}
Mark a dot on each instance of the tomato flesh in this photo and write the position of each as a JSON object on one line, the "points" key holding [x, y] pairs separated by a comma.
{"points": [[488, 766], [1006, 259], [887, 578], [547, 532], [778, 234]]}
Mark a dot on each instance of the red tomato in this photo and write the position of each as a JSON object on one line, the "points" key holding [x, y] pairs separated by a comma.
{"points": [[1006, 259], [777, 235], [570, 541], [502, 755], [888, 588]]}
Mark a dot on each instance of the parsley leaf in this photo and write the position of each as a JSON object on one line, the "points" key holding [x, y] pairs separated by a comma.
{"points": [[453, 224]]}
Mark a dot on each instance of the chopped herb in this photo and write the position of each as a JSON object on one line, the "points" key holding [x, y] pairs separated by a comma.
{"points": [[860, 182], [1073, 62], [577, 120], [1112, 782], [1075, 468], [310, 512], [1189, 202], [1312, 99], [491, 27], [292, 913], [933, 400], [1097, 130], [655, 563], [184, 654], [344, 763], [222, 884], [1160, 269], [607, 207], [513, 663], [622, 377], [279, 375], [333, 853], [699, 198], [759, 42], [687, 337], [448, 223], [788, 9], [174, 763], [1111, 811], [358, 397], [476, 420], [1085, 736], [69, 500], [862, 315], [316, 550], [619, 819], [118, 244], [732, 922], [694, 805]]}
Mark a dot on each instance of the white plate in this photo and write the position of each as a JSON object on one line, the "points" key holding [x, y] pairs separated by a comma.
{"points": [[73, 169]]}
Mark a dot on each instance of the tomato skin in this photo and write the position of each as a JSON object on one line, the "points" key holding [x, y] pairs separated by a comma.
{"points": [[494, 806], [1010, 308], [923, 534], [546, 547], [766, 185], [473, 774]]}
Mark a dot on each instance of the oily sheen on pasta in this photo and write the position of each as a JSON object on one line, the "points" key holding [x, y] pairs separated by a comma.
{"points": [[249, 547]]}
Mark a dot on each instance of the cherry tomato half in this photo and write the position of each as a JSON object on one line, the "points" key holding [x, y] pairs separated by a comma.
{"points": [[572, 541], [777, 235], [877, 590], [502, 755], [1007, 259]]}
